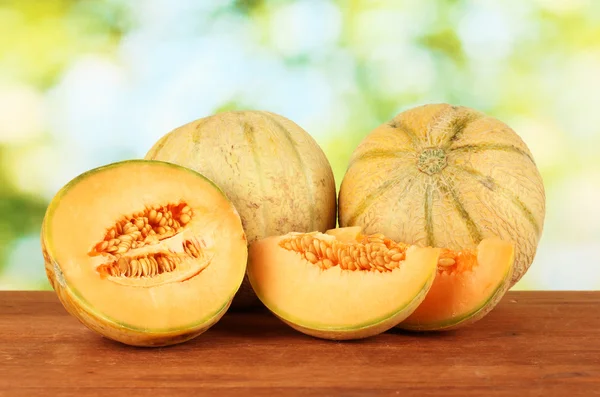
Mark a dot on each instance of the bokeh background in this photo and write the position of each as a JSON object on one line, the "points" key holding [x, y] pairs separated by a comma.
{"points": [[84, 83]]}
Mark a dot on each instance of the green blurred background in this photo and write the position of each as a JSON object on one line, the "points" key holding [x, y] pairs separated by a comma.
{"points": [[84, 83]]}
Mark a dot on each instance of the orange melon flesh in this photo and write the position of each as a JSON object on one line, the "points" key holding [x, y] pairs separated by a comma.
{"points": [[337, 303], [466, 292], [150, 310]]}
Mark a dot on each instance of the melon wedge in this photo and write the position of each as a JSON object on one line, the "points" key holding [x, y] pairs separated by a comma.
{"points": [[467, 286], [144, 252], [340, 284]]}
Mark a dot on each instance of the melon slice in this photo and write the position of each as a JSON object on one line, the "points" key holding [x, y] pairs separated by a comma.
{"points": [[340, 284], [144, 252], [467, 286]]}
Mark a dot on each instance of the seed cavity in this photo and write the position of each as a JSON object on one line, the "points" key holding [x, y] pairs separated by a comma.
{"points": [[146, 227], [370, 253], [143, 229], [141, 266], [153, 264]]}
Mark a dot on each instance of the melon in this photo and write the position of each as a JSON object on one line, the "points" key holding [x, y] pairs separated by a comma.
{"points": [[341, 284], [273, 171], [446, 176], [467, 286], [146, 253]]}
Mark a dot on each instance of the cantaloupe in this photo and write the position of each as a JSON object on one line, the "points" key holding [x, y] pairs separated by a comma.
{"points": [[446, 176], [342, 284], [272, 170], [467, 286], [144, 252]]}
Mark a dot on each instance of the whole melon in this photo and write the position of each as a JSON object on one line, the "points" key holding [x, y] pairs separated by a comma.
{"points": [[272, 170], [446, 176]]}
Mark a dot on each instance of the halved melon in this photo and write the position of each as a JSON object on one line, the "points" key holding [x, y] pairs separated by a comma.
{"points": [[341, 284], [467, 286], [144, 252]]}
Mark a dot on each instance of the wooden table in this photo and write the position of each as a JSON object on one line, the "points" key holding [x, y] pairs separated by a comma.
{"points": [[533, 343]]}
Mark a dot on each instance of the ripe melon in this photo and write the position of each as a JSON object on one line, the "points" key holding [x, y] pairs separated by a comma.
{"points": [[467, 286], [272, 170], [341, 284], [446, 176], [144, 252]]}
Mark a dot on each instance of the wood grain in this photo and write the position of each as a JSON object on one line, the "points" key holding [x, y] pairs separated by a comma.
{"points": [[532, 344]]}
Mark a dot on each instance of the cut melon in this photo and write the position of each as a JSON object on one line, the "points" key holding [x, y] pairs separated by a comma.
{"points": [[467, 286], [341, 284], [144, 252]]}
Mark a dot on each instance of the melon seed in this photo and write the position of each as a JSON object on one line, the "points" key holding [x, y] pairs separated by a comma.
{"points": [[184, 218], [144, 263], [397, 257], [312, 258], [446, 262], [317, 247]]}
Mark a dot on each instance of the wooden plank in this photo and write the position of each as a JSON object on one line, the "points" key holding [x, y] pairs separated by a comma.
{"points": [[533, 343]]}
